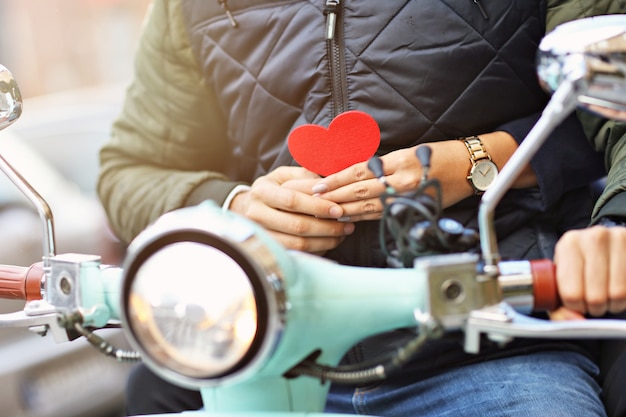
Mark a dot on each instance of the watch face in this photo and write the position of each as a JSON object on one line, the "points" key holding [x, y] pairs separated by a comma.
{"points": [[483, 174]]}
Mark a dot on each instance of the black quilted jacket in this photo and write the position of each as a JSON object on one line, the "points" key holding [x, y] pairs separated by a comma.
{"points": [[426, 71]]}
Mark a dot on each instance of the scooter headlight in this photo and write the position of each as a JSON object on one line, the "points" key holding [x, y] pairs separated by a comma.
{"points": [[199, 306]]}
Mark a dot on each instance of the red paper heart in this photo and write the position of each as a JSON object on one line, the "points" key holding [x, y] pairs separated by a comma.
{"points": [[351, 137]]}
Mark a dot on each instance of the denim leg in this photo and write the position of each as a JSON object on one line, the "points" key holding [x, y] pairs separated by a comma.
{"points": [[559, 383]]}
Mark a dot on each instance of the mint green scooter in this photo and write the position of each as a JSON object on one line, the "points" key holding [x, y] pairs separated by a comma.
{"points": [[207, 299]]}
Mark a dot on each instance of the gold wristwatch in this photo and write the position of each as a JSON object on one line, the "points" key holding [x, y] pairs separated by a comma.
{"points": [[483, 170]]}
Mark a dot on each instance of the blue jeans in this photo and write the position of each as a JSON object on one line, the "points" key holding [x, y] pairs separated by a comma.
{"points": [[552, 383]]}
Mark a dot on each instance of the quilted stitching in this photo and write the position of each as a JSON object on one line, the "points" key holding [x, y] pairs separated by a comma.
{"points": [[417, 70]]}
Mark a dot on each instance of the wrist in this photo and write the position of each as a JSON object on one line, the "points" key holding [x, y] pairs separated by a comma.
{"points": [[483, 170], [230, 198], [448, 166]]}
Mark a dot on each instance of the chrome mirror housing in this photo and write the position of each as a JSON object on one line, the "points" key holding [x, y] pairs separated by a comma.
{"points": [[10, 99], [593, 49]]}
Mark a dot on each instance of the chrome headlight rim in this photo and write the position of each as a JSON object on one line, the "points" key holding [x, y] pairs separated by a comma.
{"points": [[265, 289]]}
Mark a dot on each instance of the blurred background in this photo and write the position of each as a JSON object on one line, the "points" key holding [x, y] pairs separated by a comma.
{"points": [[60, 45], [72, 60]]}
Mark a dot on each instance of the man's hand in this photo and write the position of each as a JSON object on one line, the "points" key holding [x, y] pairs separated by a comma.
{"points": [[591, 270], [282, 203]]}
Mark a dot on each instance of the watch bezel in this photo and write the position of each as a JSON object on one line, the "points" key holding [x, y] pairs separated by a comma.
{"points": [[478, 183]]}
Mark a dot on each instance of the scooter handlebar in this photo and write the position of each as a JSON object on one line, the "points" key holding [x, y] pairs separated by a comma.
{"points": [[545, 291], [24, 283], [21, 282]]}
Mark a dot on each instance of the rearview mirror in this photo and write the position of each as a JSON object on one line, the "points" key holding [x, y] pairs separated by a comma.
{"points": [[593, 49], [10, 98]]}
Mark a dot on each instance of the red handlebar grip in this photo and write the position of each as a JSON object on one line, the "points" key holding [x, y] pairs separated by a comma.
{"points": [[21, 282], [545, 291]]}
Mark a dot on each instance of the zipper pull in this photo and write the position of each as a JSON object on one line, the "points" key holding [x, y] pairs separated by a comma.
{"points": [[330, 11], [232, 20], [481, 8]]}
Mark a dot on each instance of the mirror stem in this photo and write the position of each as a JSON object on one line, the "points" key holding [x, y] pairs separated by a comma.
{"points": [[45, 214], [562, 103]]}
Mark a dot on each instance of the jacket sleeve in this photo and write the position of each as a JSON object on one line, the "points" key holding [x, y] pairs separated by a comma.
{"points": [[604, 135], [561, 11], [168, 140], [609, 137], [564, 162]]}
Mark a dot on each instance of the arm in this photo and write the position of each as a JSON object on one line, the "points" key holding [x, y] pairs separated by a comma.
{"points": [[591, 268], [566, 161], [358, 190], [608, 136], [159, 151], [168, 150]]}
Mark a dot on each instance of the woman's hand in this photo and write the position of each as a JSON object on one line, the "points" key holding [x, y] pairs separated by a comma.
{"points": [[591, 270], [358, 191], [282, 203]]}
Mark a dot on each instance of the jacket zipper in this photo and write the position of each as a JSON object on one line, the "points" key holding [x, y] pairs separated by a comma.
{"points": [[330, 11], [336, 57], [481, 9], [231, 18]]}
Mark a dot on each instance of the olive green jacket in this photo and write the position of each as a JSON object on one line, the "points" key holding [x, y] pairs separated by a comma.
{"points": [[164, 53], [609, 137], [561, 11], [604, 135]]}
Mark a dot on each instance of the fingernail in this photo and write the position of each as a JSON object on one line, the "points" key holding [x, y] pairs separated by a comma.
{"points": [[335, 211], [320, 188], [348, 228], [343, 219]]}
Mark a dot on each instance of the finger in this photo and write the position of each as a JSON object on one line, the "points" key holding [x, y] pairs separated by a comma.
{"points": [[288, 200], [353, 174], [316, 245], [298, 224], [361, 218], [358, 191], [301, 185], [596, 246], [569, 272], [286, 173], [617, 280], [565, 314], [370, 209]]}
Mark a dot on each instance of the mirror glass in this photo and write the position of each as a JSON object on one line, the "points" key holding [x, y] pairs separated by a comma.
{"points": [[593, 50]]}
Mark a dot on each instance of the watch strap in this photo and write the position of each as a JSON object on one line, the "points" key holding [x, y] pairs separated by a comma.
{"points": [[476, 149], [477, 153]]}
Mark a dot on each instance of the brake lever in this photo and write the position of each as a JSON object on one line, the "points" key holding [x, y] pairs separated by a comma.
{"points": [[39, 317], [501, 323]]}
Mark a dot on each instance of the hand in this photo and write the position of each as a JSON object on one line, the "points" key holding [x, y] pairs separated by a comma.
{"points": [[358, 191], [300, 221], [591, 270]]}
